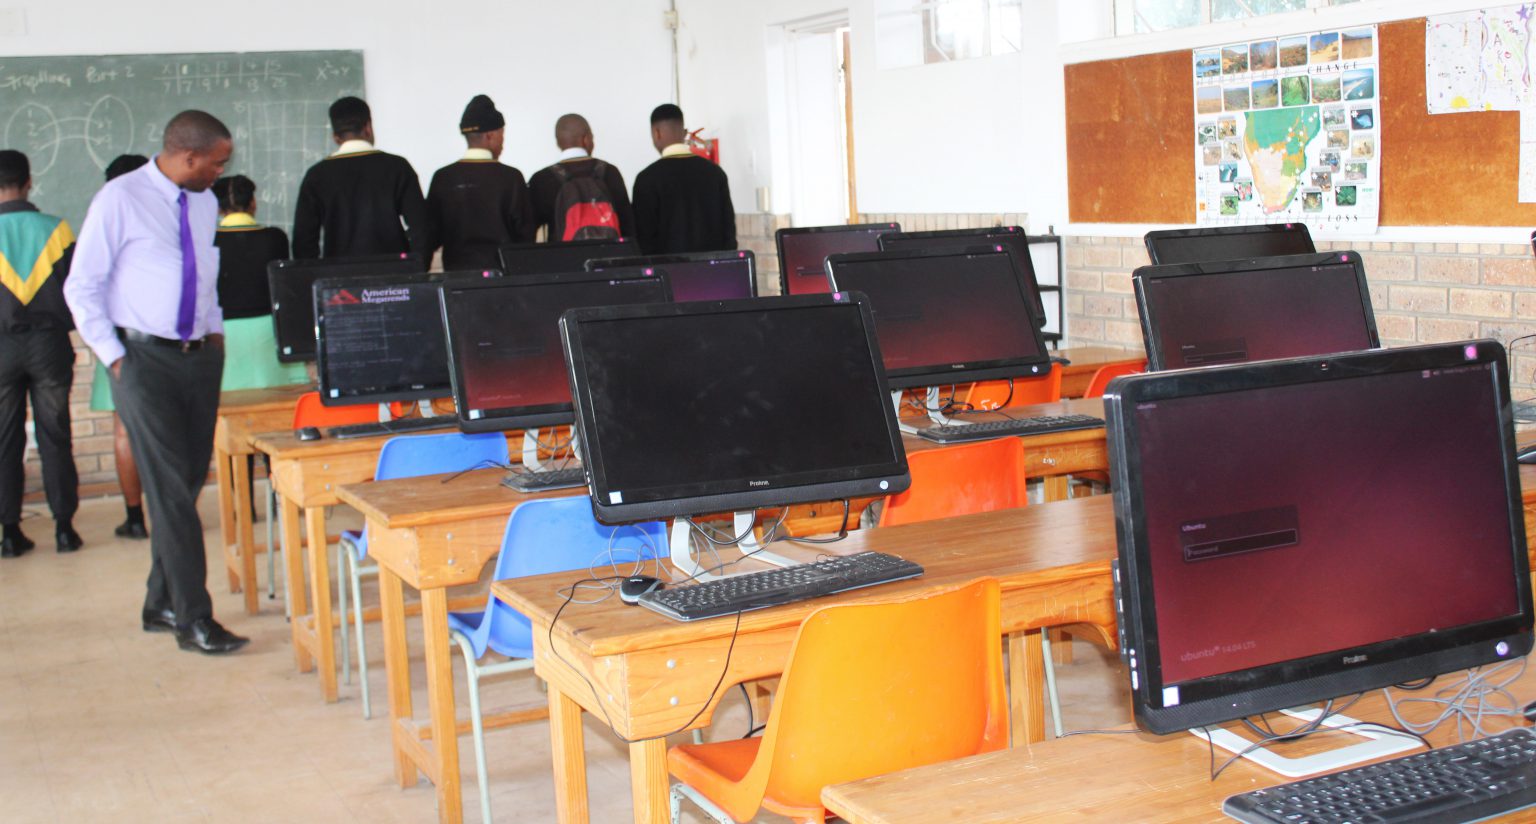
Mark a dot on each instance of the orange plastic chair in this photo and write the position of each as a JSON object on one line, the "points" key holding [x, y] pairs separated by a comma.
{"points": [[1101, 378], [311, 412], [870, 689], [960, 480], [1023, 392]]}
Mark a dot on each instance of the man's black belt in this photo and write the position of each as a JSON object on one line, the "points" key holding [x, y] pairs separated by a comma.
{"points": [[135, 336]]}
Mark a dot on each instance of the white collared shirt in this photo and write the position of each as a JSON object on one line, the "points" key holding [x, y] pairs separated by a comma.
{"points": [[573, 153], [676, 150], [478, 154], [353, 147]]}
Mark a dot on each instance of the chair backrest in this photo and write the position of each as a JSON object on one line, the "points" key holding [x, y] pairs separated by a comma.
{"points": [[1024, 392], [311, 412], [878, 687], [557, 535], [1105, 374], [960, 480], [410, 455]]}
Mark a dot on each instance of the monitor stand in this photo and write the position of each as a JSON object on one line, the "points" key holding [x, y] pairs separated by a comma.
{"points": [[1380, 743], [531, 460], [931, 403], [681, 545]]}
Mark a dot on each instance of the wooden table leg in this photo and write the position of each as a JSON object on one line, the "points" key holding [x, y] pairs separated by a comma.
{"points": [[293, 562], [570, 756], [397, 667], [320, 593], [1057, 487], [224, 484], [245, 534], [1026, 686], [648, 780], [440, 705]]}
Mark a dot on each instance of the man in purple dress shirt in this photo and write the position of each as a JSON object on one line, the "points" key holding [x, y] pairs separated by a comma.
{"points": [[142, 290]]}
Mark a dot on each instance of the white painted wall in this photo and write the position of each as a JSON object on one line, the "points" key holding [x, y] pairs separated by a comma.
{"points": [[423, 62]]}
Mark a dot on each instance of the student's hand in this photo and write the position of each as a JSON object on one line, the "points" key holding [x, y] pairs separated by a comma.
{"points": [[116, 369], [216, 340]]}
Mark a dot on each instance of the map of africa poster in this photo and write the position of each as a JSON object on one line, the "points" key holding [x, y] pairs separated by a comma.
{"points": [[1286, 130]]}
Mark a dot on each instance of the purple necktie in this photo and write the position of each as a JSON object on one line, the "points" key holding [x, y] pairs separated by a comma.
{"points": [[188, 309]]}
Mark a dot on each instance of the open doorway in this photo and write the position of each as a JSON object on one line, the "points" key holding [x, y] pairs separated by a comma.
{"points": [[818, 97]]}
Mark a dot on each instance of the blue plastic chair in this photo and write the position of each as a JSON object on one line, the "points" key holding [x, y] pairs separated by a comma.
{"points": [[404, 457], [545, 535]]}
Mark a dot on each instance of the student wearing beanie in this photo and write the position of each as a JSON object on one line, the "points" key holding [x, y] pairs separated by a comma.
{"points": [[477, 205], [359, 201]]}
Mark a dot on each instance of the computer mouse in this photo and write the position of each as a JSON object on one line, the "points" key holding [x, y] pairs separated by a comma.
{"points": [[1526, 454], [309, 433], [631, 588]]}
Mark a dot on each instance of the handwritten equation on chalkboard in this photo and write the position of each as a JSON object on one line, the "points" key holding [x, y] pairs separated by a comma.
{"points": [[73, 115]]}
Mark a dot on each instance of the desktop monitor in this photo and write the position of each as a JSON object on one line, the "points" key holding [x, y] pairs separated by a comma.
{"points": [[948, 315], [571, 256], [292, 282], [1228, 243], [1011, 236], [504, 341], [380, 340], [1296, 530], [692, 408], [803, 252], [1198, 314], [729, 275]]}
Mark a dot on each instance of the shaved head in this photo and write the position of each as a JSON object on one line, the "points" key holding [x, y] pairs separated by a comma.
{"points": [[194, 131], [571, 130]]}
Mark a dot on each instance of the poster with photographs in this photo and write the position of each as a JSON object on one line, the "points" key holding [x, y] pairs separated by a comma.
{"points": [[1286, 130]]}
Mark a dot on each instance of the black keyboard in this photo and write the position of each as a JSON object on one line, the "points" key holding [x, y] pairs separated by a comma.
{"points": [[1462, 782], [394, 427], [985, 430], [545, 479], [785, 585]]}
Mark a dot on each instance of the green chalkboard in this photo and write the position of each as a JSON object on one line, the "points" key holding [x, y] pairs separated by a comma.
{"points": [[73, 115]]}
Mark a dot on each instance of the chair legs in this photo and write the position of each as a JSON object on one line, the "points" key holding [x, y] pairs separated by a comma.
{"points": [[473, 672], [350, 597], [681, 791], [355, 579]]}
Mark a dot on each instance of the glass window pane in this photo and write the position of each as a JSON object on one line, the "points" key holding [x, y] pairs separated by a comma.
{"points": [[1160, 15], [1238, 9]]}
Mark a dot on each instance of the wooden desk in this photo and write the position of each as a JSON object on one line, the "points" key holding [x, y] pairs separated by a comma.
{"points": [[432, 535], [243, 413], [1154, 779], [649, 676], [306, 475], [1087, 360]]}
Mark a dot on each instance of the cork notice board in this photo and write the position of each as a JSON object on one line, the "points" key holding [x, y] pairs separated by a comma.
{"points": [[1130, 155]]}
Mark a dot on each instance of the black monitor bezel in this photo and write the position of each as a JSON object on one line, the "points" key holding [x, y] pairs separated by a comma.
{"points": [[321, 373], [1150, 318], [982, 234], [778, 243], [947, 373], [523, 417], [1224, 697], [513, 248], [1152, 239], [661, 261], [279, 269], [701, 498]]}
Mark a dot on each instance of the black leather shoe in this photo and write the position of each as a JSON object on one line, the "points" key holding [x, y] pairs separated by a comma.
{"points": [[208, 637], [131, 529], [68, 539], [159, 620], [15, 546]]}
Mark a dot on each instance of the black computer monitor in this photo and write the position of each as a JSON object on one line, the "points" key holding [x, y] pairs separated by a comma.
{"points": [[570, 256], [1228, 242], [292, 284], [728, 275], [803, 252], [695, 408], [947, 315], [504, 341], [1198, 314], [1011, 236], [380, 340], [1296, 530]]}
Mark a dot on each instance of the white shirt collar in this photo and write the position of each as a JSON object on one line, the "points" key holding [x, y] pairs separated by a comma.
{"points": [[573, 153], [676, 150], [353, 147], [478, 154]]}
